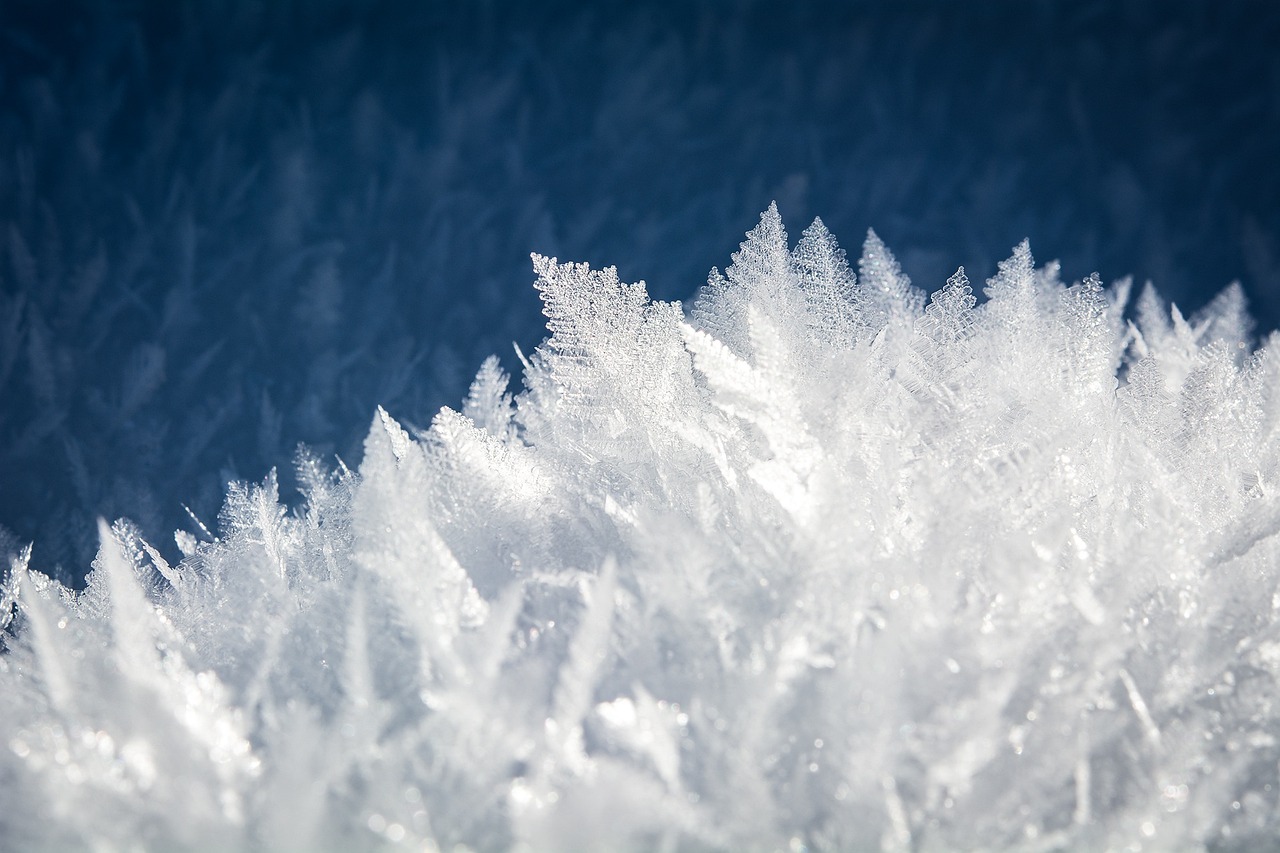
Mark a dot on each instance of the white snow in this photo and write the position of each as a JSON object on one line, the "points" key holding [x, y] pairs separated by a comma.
{"points": [[814, 566]]}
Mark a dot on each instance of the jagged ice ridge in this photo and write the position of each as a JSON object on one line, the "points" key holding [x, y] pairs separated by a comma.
{"points": [[816, 565]]}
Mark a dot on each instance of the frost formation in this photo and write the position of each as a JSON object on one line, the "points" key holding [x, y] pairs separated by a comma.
{"points": [[815, 566]]}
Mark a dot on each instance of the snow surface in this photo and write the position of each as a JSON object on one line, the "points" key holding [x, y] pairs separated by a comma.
{"points": [[815, 565]]}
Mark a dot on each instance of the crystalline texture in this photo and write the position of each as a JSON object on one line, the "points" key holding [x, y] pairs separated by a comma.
{"points": [[817, 566]]}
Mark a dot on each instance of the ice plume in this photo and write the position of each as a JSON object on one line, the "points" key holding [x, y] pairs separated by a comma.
{"points": [[815, 565]]}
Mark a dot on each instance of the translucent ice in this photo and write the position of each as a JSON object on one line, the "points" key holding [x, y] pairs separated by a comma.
{"points": [[820, 564]]}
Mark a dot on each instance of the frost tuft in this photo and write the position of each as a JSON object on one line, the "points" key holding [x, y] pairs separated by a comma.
{"points": [[821, 565]]}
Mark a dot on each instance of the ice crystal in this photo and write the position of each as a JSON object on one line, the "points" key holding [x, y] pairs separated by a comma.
{"points": [[814, 566]]}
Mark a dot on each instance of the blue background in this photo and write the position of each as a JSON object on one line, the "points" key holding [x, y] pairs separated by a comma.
{"points": [[229, 227]]}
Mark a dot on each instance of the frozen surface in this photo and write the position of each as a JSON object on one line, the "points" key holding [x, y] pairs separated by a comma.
{"points": [[819, 564]]}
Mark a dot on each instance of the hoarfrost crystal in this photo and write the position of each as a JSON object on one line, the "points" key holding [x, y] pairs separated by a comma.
{"points": [[821, 563]]}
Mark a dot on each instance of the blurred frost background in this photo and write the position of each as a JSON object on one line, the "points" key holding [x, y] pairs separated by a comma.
{"points": [[229, 227]]}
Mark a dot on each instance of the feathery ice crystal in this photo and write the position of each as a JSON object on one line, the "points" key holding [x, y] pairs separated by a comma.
{"points": [[814, 566]]}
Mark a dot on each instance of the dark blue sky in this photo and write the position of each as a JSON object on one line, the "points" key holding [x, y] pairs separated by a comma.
{"points": [[229, 227]]}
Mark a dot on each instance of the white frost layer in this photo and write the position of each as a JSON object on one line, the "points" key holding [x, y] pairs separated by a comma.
{"points": [[815, 566]]}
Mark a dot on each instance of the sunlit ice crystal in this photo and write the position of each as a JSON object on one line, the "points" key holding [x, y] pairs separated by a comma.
{"points": [[819, 563]]}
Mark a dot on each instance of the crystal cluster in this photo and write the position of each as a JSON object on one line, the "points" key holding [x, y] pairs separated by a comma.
{"points": [[817, 564]]}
